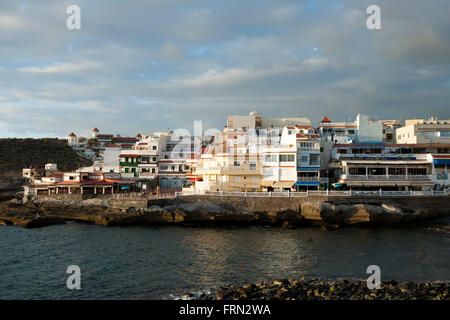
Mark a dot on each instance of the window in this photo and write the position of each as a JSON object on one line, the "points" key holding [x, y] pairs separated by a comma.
{"points": [[236, 164], [268, 172], [397, 171], [287, 157], [376, 171], [417, 171], [153, 170], [304, 159], [252, 165], [357, 171], [351, 131], [270, 158], [153, 147], [313, 159]]}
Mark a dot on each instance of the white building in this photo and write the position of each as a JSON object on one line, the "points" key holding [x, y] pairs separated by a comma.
{"points": [[418, 131], [255, 121]]}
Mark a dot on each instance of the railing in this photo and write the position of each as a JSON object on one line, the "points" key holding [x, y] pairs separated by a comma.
{"points": [[308, 179], [321, 193], [128, 164], [385, 177]]}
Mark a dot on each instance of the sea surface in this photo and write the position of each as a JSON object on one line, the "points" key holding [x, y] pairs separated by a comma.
{"points": [[164, 262]]}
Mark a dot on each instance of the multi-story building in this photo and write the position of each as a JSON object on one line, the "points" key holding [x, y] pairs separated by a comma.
{"points": [[360, 130], [94, 147], [230, 163], [295, 163], [389, 166], [389, 127], [420, 131]]}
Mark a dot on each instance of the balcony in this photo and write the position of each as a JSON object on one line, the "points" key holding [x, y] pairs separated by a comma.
{"points": [[308, 179], [387, 178], [129, 164], [230, 170], [317, 149]]}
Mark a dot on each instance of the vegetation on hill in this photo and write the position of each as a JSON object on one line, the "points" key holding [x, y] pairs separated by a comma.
{"points": [[16, 154]]}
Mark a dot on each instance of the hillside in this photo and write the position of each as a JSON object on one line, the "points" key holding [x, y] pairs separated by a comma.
{"points": [[16, 154]]}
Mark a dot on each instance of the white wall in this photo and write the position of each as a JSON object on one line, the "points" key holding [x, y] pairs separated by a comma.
{"points": [[368, 131]]}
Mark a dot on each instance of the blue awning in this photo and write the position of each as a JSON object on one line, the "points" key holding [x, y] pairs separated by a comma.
{"points": [[442, 162], [307, 183], [308, 168]]}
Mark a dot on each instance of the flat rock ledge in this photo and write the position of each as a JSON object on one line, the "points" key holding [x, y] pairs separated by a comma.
{"points": [[315, 289], [330, 216]]}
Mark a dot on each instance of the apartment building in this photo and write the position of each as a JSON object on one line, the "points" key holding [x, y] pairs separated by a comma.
{"points": [[390, 166], [360, 130], [230, 163], [389, 128], [420, 131]]}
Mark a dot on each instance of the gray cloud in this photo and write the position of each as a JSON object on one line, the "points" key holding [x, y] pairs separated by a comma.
{"points": [[150, 65]]}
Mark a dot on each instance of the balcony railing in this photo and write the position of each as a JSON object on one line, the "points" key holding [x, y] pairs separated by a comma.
{"points": [[385, 177], [129, 164], [325, 193], [229, 170], [308, 178]]}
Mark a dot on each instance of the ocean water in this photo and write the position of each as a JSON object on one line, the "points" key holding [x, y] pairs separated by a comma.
{"points": [[164, 262]]}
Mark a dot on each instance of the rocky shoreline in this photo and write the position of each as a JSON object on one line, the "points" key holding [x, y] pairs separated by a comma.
{"points": [[316, 289], [204, 211]]}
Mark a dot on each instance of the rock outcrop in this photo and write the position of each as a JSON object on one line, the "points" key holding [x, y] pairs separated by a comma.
{"points": [[330, 214]]}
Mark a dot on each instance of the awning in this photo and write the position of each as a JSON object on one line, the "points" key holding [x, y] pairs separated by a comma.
{"points": [[195, 179], [267, 183], [307, 183], [442, 162], [308, 168]]}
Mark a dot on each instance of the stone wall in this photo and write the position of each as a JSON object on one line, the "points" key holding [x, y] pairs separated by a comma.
{"points": [[127, 203], [265, 204]]}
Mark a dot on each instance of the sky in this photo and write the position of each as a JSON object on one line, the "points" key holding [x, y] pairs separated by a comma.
{"points": [[150, 65]]}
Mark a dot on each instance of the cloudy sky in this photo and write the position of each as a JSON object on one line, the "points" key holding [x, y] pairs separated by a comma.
{"points": [[148, 65]]}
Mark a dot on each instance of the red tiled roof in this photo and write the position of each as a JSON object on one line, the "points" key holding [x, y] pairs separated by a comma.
{"points": [[72, 134], [326, 119], [96, 130], [138, 135], [110, 145]]}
